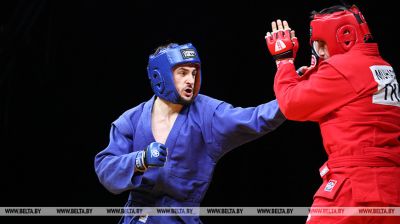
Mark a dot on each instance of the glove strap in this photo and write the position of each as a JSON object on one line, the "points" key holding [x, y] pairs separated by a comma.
{"points": [[139, 162], [284, 55]]}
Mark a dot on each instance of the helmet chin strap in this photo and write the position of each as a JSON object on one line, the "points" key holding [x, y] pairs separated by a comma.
{"points": [[316, 59]]}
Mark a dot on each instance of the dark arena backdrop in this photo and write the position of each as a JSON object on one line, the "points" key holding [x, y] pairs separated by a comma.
{"points": [[70, 68]]}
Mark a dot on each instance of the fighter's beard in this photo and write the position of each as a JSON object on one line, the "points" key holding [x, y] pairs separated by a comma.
{"points": [[185, 102]]}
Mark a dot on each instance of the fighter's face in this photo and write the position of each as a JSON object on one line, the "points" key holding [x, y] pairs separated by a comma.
{"points": [[321, 49], [184, 79]]}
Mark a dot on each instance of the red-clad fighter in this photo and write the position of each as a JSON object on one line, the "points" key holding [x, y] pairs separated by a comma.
{"points": [[354, 96]]}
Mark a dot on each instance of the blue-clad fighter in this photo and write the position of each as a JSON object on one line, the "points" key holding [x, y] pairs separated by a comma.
{"points": [[164, 151]]}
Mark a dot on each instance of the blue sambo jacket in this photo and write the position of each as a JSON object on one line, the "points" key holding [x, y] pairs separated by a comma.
{"points": [[202, 133]]}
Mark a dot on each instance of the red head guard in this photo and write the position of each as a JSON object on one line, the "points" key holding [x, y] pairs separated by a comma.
{"points": [[340, 30]]}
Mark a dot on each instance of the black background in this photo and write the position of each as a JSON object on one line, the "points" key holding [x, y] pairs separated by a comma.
{"points": [[69, 68]]}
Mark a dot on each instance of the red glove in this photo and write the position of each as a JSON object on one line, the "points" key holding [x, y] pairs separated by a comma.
{"points": [[282, 43]]}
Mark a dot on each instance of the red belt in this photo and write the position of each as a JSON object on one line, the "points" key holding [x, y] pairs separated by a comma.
{"points": [[370, 160]]}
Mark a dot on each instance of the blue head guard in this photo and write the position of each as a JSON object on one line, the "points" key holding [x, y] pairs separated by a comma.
{"points": [[160, 69]]}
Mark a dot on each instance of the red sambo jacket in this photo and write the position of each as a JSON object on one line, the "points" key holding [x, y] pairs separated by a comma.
{"points": [[355, 99]]}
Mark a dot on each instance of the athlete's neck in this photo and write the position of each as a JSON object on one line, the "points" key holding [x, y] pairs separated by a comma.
{"points": [[166, 108]]}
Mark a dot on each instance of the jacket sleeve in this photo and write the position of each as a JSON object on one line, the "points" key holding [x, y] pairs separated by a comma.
{"points": [[234, 126], [115, 164], [311, 99]]}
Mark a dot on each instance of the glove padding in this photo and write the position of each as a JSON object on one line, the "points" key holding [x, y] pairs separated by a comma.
{"points": [[154, 155], [282, 42]]}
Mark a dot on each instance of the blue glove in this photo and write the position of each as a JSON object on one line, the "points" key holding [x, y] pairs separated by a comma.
{"points": [[154, 155]]}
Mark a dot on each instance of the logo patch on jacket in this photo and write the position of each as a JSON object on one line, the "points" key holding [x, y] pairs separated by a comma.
{"points": [[330, 185]]}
